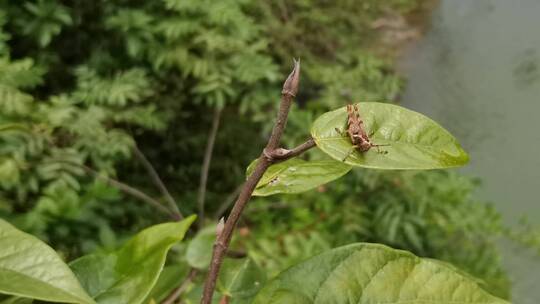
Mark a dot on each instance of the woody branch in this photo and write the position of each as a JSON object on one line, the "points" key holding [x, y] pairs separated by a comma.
{"points": [[271, 154]]}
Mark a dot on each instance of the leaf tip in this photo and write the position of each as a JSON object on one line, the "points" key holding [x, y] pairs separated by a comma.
{"points": [[189, 220]]}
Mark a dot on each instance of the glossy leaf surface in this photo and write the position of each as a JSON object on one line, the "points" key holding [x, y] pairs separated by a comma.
{"points": [[414, 140]]}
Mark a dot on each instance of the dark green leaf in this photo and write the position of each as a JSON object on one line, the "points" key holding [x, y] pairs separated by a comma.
{"points": [[30, 268], [199, 251], [240, 280], [374, 274], [127, 275], [415, 141], [170, 278]]}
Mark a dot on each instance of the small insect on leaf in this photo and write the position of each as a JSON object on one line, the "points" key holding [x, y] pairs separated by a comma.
{"points": [[414, 141], [357, 133]]}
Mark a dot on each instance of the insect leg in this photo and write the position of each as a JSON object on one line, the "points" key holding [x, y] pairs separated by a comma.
{"points": [[379, 150], [342, 132], [351, 150]]}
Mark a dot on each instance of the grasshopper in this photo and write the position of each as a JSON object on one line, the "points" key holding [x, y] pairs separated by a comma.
{"points": [[357, 134]]}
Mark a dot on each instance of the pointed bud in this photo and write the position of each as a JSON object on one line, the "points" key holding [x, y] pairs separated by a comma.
{"points": [[220, 226], [290, 87]]}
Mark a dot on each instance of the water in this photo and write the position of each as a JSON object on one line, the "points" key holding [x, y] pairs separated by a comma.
{"points": [[477, 72]]}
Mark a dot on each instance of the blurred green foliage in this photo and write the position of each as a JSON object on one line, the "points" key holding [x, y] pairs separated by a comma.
{"points": [[83, 82], [433, 214]]}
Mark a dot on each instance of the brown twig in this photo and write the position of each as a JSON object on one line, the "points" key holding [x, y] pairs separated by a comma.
{"points": [[175, 294], [158, 182], [128, 190], [281, 154], [221, 245], [206, 164]]}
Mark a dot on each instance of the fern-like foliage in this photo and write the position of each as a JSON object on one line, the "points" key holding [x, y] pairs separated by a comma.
{"points": [[43, 20]]}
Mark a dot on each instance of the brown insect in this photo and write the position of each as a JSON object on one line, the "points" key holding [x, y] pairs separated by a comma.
{"points": [[357, 134]]}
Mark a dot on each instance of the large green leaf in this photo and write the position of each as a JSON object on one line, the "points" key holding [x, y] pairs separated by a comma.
{"points": [[240, 280], [296, 175], [415, 141], [30, 268], [199, 250], [375, 274], [126, 275]]}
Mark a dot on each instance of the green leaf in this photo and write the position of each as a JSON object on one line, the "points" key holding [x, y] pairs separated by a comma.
{"points": [[16, 300], [415, 141], [374, 274], [170, 278], [240, 280], [199, 250], [127, 274], [29, 268], [296, 175]]}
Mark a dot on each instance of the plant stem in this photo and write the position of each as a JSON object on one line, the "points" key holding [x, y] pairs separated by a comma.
{"points": [[265, 160], [310, 143], [128, 190], [158, 182], [206, 164], [280, 154]]}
